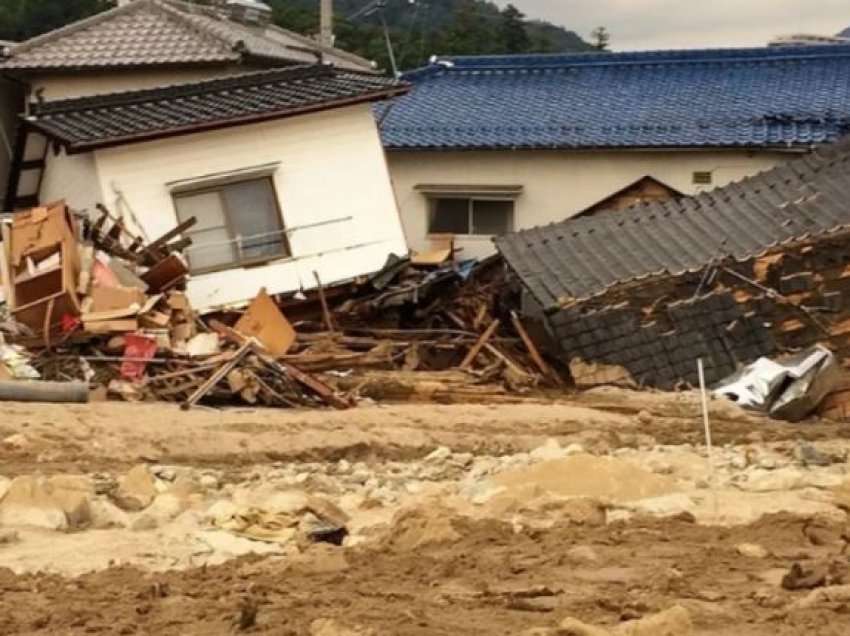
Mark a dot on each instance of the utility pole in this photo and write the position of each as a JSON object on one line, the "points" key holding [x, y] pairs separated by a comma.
{"points": [[326, 22]]}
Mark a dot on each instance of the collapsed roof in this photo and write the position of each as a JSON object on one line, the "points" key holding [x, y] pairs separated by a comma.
{"points": [[584, 257]]}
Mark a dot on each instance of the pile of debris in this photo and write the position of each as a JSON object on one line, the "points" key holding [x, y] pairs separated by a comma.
{"points": [[91, 303]]}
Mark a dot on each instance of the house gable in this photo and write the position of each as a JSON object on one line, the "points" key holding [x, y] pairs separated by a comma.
{"points": [[645, 190]]}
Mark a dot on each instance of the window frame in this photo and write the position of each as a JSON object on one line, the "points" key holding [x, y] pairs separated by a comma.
{"points": [[218, 188], [434, 199]]}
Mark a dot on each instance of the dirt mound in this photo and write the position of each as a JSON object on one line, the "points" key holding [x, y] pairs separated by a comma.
{"points": [[586, 476]]}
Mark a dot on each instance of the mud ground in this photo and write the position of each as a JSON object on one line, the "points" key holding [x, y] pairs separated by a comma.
{"points": [[439, 572]]}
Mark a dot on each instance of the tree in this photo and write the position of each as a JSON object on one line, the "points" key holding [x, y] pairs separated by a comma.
{"points": [[600, 38], [23, 19], [468, 32], [512, 31]]}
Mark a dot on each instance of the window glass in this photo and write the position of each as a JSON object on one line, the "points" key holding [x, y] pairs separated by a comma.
{"points": [[236, 223], [449, 216], [211, 245], [254, 218], [492, 217]]}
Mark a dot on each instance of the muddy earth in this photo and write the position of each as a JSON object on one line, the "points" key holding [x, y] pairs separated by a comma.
{"points": [[601, 515]]}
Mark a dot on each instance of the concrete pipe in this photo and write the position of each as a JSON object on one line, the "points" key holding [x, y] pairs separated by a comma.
{"points": [[23, 391]]}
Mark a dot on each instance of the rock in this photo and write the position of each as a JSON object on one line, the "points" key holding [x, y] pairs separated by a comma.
{"points": [[438, 455], [675, 621], [136, 490], [343, 467], [166, 507], [574, 627], [73, 493], [574, 449], [760, 480], [582, 511], [210, 482], [830, 594], [104, 514], [9, 536], [228, 546], [415, 528], [808, 455], [18, 441], [361, 476], [30, 502], [805, 578], [550, 450], [665, 506], [462, 460], [330, 627], [739, 461], [752, 551], [644, 417], [142, 522], [221, 512], [166, 473], [767, 463], [582, 554]]}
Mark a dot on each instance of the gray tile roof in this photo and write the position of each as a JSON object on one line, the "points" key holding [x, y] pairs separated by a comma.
{"points": [[166, 33], [580, 258], [88, 123]]}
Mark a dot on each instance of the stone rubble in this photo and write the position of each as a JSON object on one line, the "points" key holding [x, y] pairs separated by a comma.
{"points": [[263, 508]]}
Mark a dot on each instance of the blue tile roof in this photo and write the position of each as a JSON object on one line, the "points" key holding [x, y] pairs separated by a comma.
{"points": [[759, 97]]}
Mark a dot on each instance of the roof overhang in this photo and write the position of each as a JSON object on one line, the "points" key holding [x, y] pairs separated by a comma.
{"points": [[81, 147]]}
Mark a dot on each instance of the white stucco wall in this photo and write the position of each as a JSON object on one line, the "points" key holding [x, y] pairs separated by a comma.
{"points": [[73, 178], [68, 85], [332, 165], [556, 184]]}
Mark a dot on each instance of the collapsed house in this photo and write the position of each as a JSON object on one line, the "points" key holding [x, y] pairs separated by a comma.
{"points": [[283, 171], [148, 44], [755, 268]]}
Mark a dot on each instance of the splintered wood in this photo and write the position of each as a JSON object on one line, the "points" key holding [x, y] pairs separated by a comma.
{"points": [[108, 307]]}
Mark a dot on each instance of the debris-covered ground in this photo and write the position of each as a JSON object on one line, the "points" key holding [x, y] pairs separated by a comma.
{"points": [[453, 519]]}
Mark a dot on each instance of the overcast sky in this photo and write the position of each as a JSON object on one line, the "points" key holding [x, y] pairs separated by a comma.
{"points": [[654, 24]]}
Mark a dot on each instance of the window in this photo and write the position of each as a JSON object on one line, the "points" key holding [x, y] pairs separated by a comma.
{"points": [[703, 177], [238, 223], [486, 217]]}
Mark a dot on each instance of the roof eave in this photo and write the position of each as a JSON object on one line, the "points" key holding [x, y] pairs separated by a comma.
{"points": [[79, 148], [23, 71], [801, 147]]}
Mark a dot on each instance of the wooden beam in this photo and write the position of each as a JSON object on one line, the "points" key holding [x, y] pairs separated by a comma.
{"points": [[476, 348], [326, 312], [538, 360]]}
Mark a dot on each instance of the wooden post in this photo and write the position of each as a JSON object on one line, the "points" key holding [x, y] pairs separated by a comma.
{"points": [[545, 369], [476, 348], [326, 312]]}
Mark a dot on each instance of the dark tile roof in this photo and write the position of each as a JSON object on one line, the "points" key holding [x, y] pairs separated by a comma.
{"points": [[88, 123], [760, 97], [584, 257], [147, 33]]}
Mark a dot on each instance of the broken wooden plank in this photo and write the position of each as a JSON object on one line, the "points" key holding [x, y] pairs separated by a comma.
{"points": [[325, 392], [216, 377], [538, 360], [476, 348]]}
